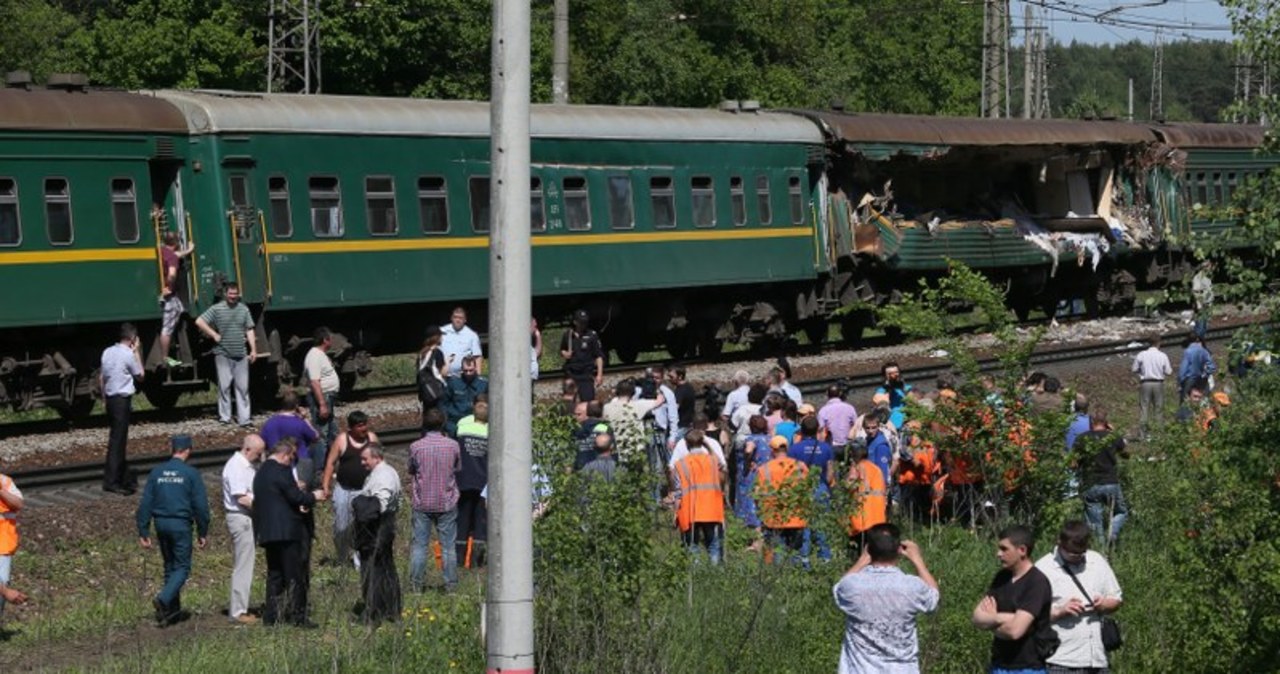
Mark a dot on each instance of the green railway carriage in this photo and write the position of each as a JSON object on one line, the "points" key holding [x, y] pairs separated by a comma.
{"points": [[79, 172], [371, 215], [1219, 159]]}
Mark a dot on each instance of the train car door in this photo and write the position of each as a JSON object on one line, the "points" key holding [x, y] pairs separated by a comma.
{"points": [[245, 222]]}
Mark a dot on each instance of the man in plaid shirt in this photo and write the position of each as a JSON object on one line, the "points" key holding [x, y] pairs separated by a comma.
{"points": [[434, 462]]}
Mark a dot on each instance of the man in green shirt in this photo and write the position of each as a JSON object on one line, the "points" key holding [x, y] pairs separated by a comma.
{"points": [[230, 325]]}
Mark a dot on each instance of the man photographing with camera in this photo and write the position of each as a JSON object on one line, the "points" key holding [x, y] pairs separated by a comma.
{"points": [[880, 604]]}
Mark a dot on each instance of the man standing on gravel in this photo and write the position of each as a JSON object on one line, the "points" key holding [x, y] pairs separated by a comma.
{"points": [[230, 325], [121, 371], [323, 385], [237, 501], [174, 498], [1151, 367], [458, 341]]}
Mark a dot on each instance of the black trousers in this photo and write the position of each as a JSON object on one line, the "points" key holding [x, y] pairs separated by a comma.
{"points": [[586, 386], [287, 583], [115, 473], [379, 581], [472, 523]]}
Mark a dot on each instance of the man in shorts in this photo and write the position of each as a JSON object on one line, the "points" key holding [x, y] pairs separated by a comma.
{"points": [[175, 289]]}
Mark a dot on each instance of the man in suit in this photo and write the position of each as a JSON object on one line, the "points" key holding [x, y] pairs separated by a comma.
{"points": [[279, 504]]}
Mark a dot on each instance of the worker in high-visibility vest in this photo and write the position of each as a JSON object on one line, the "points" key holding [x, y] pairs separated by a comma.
{"points": [[871, 492], [698, 486], [780, 494], [916, 476], [10, 503]]}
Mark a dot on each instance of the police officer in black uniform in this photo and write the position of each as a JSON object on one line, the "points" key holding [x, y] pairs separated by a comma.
{"points": [[174, 498], [583, 356]]}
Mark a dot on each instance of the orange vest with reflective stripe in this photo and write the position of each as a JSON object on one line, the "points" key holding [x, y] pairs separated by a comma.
{"points": [[873, 498], [771, 478], [701, 498], [8, 521]]}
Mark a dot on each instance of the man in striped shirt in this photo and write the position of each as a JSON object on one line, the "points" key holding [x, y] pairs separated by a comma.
{"points": [[230, 325], [434, 462]]}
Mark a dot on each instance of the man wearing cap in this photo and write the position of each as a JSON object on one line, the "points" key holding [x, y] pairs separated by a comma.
{"points": [[174, 498], [458, 340], [583, 355], [782, 522]]}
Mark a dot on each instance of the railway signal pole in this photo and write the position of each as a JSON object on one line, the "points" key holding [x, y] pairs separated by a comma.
{"points": [[509, 594]]}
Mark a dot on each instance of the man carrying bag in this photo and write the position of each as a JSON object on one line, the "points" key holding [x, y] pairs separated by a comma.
{"points": [[1085, 593]]}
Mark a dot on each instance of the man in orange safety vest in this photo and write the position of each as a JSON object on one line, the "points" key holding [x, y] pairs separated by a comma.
{"points": [[777, 488], [698, 482], [869, 488]]}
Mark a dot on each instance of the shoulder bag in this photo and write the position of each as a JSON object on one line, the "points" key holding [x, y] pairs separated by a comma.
{"points": [[1111, 638]]}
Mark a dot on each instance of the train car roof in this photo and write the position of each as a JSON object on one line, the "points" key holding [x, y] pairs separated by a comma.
{"points": [[210, 112], [1226, 136], [953, 131], [87, 110]]}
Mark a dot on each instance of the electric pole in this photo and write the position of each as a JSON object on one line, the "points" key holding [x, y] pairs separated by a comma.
{"points": [[560, 57], [995, 58], [1157, 78], [509, 591], [1253, 81], [1042, 109], [293, 53], [1028, 64]]}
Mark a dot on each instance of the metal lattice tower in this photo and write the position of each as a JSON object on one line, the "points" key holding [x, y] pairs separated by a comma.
{"points": [[1035, 93], [1253, 81], [995, 58], [1157, 77], [293, 58]]}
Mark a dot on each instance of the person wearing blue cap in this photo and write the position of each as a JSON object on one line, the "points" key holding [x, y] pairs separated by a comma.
{"points": [[174, 498]]}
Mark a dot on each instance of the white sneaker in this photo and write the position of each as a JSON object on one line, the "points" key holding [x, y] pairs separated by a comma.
{"points": [[355, 559]]}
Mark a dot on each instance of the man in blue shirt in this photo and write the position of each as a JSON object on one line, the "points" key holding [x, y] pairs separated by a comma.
{"points": [[461, 392], [174, 498], [1080, 424], [879, 451], [1196, 366], [819, 457], [896, 391]]}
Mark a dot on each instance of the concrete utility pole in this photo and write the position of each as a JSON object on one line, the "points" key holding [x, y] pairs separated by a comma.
{"points": [[1042, 109], [509, 596], [293, 54], [1157, 78], [1253, 81], [995, 58], [1028, 63], [560, 58]]}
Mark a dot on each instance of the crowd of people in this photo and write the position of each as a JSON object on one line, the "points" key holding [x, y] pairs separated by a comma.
{"points": [[739, 457]]}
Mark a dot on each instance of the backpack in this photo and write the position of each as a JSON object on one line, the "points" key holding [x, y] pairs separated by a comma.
{"points": [[430, 385]]}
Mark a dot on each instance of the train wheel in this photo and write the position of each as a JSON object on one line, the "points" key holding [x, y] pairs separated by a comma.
{"points": [[627, 352], [162, 397], [815, 329], [678, 343], [78, 410], [852, 325], [708, 345]]}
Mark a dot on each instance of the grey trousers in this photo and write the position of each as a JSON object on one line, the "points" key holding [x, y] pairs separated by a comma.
{"points": [[233, 372], [240, 526], [1151, 405]]}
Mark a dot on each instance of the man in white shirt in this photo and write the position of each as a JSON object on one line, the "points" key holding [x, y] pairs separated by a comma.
{"points": [[1080, 603], [666, 417], [458, 341], [237, 501], [379, 582], [323, 385], [738, 396], [624, 413], [121, 369], [1151, 367], [778, 383]]}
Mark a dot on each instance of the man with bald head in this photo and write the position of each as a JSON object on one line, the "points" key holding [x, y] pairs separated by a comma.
{"points": [[237, 500]]}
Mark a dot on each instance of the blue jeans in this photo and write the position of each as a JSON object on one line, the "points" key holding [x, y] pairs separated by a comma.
{"points": [[174, 537], [1001, 670], [6, 572], [1107, 496], [342, 522], [446, 525], [327, 429], [709, 534]]}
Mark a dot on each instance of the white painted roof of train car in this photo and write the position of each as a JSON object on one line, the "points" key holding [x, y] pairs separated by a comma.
{"points": [[234, 112]]}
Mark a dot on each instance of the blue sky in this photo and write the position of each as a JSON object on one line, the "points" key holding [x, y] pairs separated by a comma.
{"points": [[1187, 19]]}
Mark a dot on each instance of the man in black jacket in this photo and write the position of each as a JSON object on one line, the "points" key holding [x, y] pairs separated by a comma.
{"points": [[279, 504]]}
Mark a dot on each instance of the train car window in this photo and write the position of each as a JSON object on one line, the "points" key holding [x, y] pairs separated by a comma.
{"points": [[703, 192], [796, 197], [738, 200], [622, 214], [1202, 190], [577, 204], [433, 205], [10, 223], [326, 206], [281, 216], [662, 200], [1219, 199], [57, 211], [537, 211], [380, 205], [1232, 185], [124, 210], [763, 206], [479, 191]]}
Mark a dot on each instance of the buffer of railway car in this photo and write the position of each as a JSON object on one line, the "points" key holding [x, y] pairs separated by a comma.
{"points": [[676, 228]]}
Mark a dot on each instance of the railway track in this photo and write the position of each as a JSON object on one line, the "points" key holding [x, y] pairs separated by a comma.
{"points": [[80, 475]]}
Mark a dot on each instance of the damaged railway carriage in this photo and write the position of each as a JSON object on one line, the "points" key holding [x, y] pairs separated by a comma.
{"points": [[1052, 209]]}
